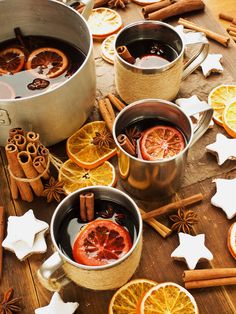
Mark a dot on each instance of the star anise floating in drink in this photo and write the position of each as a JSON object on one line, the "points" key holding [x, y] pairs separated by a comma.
{"points": [[103, 139], [9, 304], [133, 134], [53, 190], [184, 221]]}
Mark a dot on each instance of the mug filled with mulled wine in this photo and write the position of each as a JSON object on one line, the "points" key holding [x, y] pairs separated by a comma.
{"points": [[97, 235], [149, 56], [153, 137]]}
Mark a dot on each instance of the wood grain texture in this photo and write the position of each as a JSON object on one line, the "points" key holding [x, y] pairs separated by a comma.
{"points": [[155, 263]]}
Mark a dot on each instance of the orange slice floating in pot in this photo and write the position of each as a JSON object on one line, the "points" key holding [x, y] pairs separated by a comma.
{"points": [[104, 22], [47, 62], [11, 60]]}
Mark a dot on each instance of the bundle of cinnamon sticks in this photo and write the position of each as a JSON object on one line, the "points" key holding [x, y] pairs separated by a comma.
{"points": [[28, 164]]}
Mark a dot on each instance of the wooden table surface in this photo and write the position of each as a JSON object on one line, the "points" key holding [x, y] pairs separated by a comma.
{"points": [[155, 263]]}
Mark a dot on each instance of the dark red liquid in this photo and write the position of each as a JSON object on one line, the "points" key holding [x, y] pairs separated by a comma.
{"points": [[151, 53], [22, 84]]}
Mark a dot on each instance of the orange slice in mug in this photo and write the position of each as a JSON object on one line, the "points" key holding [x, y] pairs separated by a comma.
{"points": [[47, 62], [101, 242], [160, 142], [104, 22], [11, 60]]}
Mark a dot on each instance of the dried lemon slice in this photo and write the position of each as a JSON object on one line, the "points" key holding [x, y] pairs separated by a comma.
{"points": [[104, 22], [229, 119], [108, 49]]}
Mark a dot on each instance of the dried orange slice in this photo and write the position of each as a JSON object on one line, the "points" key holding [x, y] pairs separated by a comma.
{"points": [[85, 149], [232, 240], [11, 60], [108, 49], [75, 177], [170, 298], [229, 119], [104, 22], [47, 62], [219, 98], [127, 298]]}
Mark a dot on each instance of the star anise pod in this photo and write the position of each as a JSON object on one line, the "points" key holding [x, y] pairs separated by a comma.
{"points": [[184, 221], [53, 190], [118, 3], [133, 134], [103, 139], [9, 304]]}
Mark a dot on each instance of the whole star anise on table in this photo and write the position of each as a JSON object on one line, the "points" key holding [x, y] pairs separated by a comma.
{"points": [[103, 139], [118, 3], [9, 304], [184, 221], [53, 190]]}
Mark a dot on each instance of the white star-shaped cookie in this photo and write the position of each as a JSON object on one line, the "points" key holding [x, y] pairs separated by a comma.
{"points": [[212, 64], [192, 249], [225, 196], [192, 105], [24, 228], [224, 148], [57, 306], [190, 38]]}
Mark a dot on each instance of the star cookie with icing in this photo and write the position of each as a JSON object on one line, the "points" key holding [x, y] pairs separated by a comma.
{"points": [[225, 196], [212, 64], [190, 38], [57, 306], [224, 148], [25, 235], [192, 249]]}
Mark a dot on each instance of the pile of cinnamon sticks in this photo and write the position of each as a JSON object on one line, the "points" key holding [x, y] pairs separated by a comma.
{"points": [[232, 28], [27, 164]]}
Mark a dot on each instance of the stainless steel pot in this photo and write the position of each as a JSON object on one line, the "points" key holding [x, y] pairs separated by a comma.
{"points": [[55, 114]]}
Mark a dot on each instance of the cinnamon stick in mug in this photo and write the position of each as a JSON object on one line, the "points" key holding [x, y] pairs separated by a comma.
{"points": [[24, 187], [124, 53], [89, 201], [126, 144], [26, 163]]}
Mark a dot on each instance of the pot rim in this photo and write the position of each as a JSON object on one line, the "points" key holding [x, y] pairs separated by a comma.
{"points": [[78, 70]]}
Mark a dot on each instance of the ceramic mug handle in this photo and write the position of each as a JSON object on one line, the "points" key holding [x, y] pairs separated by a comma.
{"points": [[196, 60], [46, 271], [88, 6]]}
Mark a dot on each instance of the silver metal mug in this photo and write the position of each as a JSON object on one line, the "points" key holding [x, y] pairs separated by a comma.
{"points": [[152, 180], [160, 82], [59, 112], [103, 277]]}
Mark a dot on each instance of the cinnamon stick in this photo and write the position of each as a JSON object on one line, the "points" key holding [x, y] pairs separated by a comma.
{"points": [[15, 131], [40, 166], [210, 283], [166, 209], [32, 150], [116, 102], [126, 144], [180, 7], [231, 28], [2, 231], [223, 40], [32, 137], [20, 141], [43, 151], [156, 6], [82, 208], [203, 274], [24, 187], [124, 53], [14, 188], [89, 202], [156, 225], [20, 38], [231, 33], [227, 17], [26, 163], [107, 112]]}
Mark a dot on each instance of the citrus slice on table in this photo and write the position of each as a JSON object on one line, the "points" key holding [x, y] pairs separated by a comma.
{"points": [[84, 148], [232, 240], [101, 242], [104, 22], [108, 49], [160, 142], [127, 298], [47, 62], [12, 60], [219, 98], [229, 119], [76, 177], [168, 298]]}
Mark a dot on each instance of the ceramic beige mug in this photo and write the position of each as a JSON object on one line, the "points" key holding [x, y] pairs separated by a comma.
{"points": [[135, 83], [58, 270]]}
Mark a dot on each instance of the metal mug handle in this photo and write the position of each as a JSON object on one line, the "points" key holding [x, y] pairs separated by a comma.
{"points": [[48, 268], [196, 60], [88, 6]]}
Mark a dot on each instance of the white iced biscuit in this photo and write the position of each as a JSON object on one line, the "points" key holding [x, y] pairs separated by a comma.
{"points": [[212, 64]]}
